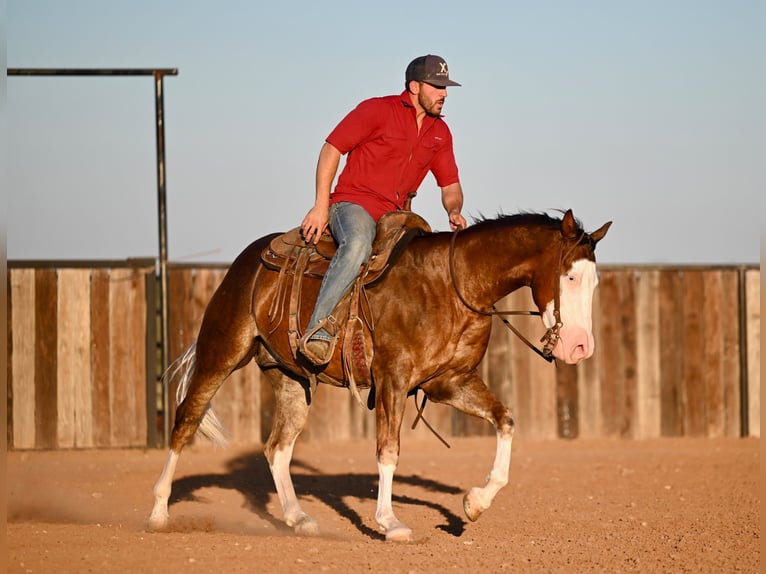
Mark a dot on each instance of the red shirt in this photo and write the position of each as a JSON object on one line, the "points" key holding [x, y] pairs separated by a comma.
{"points": [[387, 157]]}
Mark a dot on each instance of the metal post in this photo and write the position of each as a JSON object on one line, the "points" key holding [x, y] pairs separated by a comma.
{"points": [[744, 401], [163, 245], [158, 74]]}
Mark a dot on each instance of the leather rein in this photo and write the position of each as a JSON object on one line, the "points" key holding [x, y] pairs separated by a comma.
{"points": [[550, 339], [551, 336]]}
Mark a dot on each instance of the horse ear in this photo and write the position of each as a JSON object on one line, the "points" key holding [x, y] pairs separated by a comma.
{"points": [[599, 234], [569, 225]]}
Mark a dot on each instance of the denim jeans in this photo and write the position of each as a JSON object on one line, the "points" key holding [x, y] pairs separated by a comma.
{"points": [[354, 231]]}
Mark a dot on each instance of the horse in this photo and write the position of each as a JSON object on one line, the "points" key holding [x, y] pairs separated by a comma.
{"points": [[431, 314]]}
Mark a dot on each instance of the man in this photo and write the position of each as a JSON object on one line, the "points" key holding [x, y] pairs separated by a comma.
{"points": [[392, 143]]}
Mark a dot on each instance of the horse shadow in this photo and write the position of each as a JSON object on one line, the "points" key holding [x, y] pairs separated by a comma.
{"points": [[249, 475]]}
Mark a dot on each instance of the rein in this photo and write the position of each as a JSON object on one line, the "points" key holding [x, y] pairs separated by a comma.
{"points": [[551, 336]]}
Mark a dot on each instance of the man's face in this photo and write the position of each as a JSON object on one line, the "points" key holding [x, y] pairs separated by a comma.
{"points": [[431, 98]]}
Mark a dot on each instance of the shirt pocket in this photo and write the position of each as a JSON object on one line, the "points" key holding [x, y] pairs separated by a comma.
{"points": [[427, 149]]}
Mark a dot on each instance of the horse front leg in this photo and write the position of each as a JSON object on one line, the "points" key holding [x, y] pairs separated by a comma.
{"points": [[290, 416], [479, 499], [389, 412], [472, 396]]}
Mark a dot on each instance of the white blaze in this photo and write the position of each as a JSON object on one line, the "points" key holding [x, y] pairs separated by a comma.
{"points": [[576, 289]]}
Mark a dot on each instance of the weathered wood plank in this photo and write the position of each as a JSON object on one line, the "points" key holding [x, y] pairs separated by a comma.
{"points": [[694, 397], [649, 407], [65, 351], [75, 424], [542, 379], [22, 358], [730, 364], [611, 365], [46, 336], [629, 365], [136, 376], [249, 423], [330, 414], [671, 353], [712, 369], [753, 313], [101, 371], [495, 368], [567, 407], [362, 419], [120, 380]]}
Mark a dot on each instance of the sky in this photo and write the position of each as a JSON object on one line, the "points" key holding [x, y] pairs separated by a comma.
{"points": [[647, 113]]}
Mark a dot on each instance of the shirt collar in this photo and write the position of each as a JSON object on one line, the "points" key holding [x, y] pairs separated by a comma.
{"points": [[405, 98]]}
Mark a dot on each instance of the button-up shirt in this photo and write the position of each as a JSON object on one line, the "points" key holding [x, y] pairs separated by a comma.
{"points": [[388, 157]]}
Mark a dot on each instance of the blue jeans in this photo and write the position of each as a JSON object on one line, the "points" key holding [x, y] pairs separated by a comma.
{"points": [[354, 231]]}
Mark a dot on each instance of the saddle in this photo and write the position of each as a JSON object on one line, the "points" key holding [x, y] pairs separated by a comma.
{"points": [[290, 255], [394, 231]]}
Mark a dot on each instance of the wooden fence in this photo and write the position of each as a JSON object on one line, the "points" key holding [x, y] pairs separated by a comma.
{"points": [[677, 354], [80, 341]]}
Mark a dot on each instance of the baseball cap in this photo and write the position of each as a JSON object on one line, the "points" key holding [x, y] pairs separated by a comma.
{"points": [[430, 69]]}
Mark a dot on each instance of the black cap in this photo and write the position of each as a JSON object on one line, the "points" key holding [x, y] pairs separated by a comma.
{"points": [[430, 69]]}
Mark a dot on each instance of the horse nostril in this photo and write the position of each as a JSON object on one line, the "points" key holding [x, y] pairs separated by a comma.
{"points": [[579, 352]]}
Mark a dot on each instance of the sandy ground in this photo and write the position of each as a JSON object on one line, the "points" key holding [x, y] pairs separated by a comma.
{"points": [[666, 505]]}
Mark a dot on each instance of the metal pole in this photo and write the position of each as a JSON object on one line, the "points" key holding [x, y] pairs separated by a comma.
{"points": [[159, 74], [163, 259], [744, 414]]}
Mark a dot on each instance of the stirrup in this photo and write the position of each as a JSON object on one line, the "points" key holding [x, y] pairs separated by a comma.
{"points": [[303, 342]]}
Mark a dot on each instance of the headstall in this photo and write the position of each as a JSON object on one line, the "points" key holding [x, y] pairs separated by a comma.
{"points": [[552, 335]]}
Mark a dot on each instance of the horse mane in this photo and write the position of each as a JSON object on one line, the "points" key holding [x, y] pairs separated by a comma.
{"points": [[536, 218]]}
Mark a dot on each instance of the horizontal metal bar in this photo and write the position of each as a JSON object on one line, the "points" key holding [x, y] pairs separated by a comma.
{"points": [[132, 262], [92, 71]]}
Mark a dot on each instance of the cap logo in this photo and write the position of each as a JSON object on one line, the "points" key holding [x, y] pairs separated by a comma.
{"points": [[430, 69]]}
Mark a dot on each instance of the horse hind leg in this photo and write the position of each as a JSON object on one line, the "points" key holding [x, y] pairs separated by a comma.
{"points": [[476, 399], [290, 414], [201, 377]]}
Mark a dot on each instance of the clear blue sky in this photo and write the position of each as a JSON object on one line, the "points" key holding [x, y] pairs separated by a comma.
{"points": [[649, 113]]}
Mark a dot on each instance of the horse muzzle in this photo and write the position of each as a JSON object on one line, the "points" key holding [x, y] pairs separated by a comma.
{"points": [[574, 344]]}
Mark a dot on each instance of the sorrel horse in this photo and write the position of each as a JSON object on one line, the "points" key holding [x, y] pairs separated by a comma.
{"points": [[431, 314]]}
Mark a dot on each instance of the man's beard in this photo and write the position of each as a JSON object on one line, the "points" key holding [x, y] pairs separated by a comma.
{"points": [[431, 107]]}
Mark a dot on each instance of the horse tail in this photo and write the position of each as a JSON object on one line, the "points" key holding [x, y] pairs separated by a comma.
{"points": [[210, 426]]}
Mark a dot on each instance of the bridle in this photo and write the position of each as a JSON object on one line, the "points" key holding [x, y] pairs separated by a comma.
{"points": [[551, 337]]}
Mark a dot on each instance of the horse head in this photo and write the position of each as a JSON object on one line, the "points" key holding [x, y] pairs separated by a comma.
{"points": [[563, 291]]}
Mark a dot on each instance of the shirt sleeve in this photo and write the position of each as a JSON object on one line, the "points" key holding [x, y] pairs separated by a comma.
{"points": [[444, 166], [358, 125]]}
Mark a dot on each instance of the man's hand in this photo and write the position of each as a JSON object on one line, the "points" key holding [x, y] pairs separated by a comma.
{"points": [[452, 200], [457, 221], [314, 224]]}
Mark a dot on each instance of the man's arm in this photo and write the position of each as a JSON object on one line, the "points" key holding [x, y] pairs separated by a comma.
{"points": [[317, 218], [452, 200]]}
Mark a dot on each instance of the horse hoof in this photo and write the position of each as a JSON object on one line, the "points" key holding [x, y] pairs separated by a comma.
{"points": [[158, 523], [399, 534], [306, 526], [471, 506]]}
